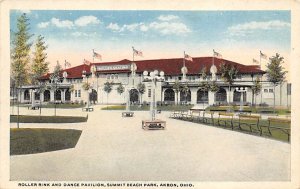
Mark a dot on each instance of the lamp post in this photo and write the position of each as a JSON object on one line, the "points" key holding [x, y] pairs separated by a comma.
{"points": [[84, 75], [153, 123], [241, 90]]}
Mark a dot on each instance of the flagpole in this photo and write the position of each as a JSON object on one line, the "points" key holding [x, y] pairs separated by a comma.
{"points": [[94, 56], [65, 64], [132, 54], [183, 58], [213, 56], [261, 77]]}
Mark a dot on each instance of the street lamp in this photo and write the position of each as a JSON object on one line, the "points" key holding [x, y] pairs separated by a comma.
{"points": [[153, 123], [84, 75], [241, 90]]}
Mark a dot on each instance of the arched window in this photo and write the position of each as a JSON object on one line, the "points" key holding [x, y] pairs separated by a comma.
{"points": [[185, 96], [202, 96], [221, 95], [169, 95], [68, 95], [26, 95], [58, 95], [46, 95], [134, 96]]}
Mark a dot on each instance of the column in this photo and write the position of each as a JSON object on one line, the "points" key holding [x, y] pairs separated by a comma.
{"points": [[193, 95], [51, 95], [249, 96], [229, 95], [42, 97], [211, 98], [32, 96], [63, 95]]}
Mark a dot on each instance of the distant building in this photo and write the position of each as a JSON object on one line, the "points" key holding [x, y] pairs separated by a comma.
{"points": [[130, 74]]}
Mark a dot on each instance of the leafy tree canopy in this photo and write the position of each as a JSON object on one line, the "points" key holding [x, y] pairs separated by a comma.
{"points": [[275, 70]]}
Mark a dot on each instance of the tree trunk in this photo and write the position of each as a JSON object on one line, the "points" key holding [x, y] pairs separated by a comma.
{"points": [[274, 98], [18, 102]]}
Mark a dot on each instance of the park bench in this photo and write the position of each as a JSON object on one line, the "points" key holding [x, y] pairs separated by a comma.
{"points": [[34, 107], [175, 114], [225, 118], [127, 114], [208, 117], [88, 109], [276, 124], [266, 111], [250, 121]]}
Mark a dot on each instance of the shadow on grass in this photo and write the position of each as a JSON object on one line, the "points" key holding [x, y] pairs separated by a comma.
{"points": [[47, 119], [37, 140]]}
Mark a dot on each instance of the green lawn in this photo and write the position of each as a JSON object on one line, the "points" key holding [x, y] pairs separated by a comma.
{"points": [[276, 134], [144, 108], [47, 119], [64, 106], [279, 111], [31, 141]]}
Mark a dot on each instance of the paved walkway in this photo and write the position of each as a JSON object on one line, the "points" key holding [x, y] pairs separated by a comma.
{"points": [[116, 148]]}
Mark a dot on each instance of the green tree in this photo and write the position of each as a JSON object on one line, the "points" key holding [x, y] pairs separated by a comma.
{"points": [[41, 90], [39, 64], [228, 74], [204, 85], [256, 88], [176, 88], [213, 87], [120, 89], [55, 79], [107, 88], [275, 72], [20, 55], [141, 89]]}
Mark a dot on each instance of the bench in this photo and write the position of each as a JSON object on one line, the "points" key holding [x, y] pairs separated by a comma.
{"points": [[35, 107], [87, 109], [209, 119], [250, 121], [225, 118], [266, 111], [175, 114], [276, 124], [127, 114]]}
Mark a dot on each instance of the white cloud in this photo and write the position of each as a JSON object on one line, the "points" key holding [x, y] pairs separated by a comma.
{"points": [[165, 28], [130, 27], [113, 26], [169, 27], [62, 23], [86, 20], [43, 25], [79, 34], [250, 27], [143, 27], [167, 17]]}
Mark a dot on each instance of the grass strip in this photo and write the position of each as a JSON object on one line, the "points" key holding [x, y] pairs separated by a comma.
{"points": [[37, 140]]}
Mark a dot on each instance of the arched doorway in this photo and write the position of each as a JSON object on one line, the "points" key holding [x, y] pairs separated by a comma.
{"points": [[185, 96], [26, 95], [58, 95], [46, 95], [68, 95], [169, 96], [202, 96], [221, 95], [93, 96], [36, 96], [134, 96], [237, 96]]}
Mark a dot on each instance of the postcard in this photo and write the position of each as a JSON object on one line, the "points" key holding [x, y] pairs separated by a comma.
{"points": [[163, 94]]}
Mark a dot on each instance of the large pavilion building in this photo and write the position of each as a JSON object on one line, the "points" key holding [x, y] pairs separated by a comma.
{"points": [[130, 74]]}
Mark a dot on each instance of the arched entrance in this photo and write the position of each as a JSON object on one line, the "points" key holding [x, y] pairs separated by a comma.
{"points": [[169, 96], [36, 96], [202, 96], [46, 95], [221, 95], [134, 96], [93, 96], [185, 96], [58, 95], [26, 95], [68, 95], [237, 97]]}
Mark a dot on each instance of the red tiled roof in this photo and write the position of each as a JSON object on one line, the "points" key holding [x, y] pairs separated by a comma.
{"points": [[169, 66]]}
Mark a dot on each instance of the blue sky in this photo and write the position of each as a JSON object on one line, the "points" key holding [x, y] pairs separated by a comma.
{"points": [[237, 35]]}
